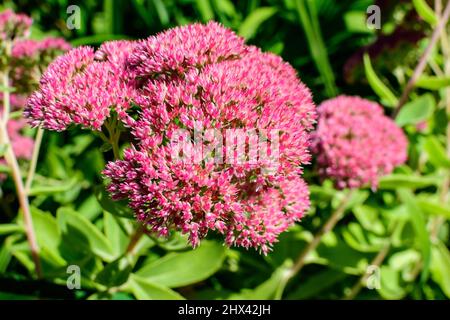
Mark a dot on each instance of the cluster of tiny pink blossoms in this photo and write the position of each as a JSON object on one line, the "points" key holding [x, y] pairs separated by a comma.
{"points": [[81, 88], [24, 59], [356, 143], [29, 58], [205, 76], [13, 25], [182, 79], [30, 48]]}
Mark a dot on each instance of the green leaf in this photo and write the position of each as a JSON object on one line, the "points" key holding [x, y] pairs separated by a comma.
{"points": [[90, 208], [226, 7], [440, 267], [48, 236], [425, 12], [418, 110], [266, 290], [252, 22], [397, 180], [180, 269], [309, 18], [47, 232], [8, 228], [336, 253], [117, 208], [434, 207], [54, 187], [105, 147], [419, 223], [175, 242], [386, 95], [115, 273], [161, 10], [82, 234], [369, 218], [432, 82], [116, 234], [356, 21], [5, 257], [436, 152], [360, 240], [391, 287], [206, 12], [316, 283], [144, 289]]}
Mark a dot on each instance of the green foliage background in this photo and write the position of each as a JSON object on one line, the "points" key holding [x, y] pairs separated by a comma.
{"points": [[406, 219]]}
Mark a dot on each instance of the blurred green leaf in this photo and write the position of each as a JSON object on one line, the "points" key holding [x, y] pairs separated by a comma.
{"points": [[397, 180], [391, 286], [316, 283], [417, 110], [161, 10], [266, 290], [252, 22], [48, 235], [225, 6], [386, 95], [8, 228], [53, 187], [432, 82], [419, 223], [115, 274], [81, 233], [440, 267], [144, 289], [336, 253], [307, 13], [355, 236], [434, 207], [181, 269], [436, 152], [206, 11], [369, 218], [5, 257], [425, 12], [356, 21], [115, 234], [117, 208]]}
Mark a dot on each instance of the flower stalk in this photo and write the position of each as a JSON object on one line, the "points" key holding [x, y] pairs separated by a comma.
{"points": [[326, 228], [11, 160]]}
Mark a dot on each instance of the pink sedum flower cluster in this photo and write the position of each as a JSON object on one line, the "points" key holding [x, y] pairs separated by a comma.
{"points": [[81, 88], [25, 59], [29, 58], [177, 50], [14, 25], [34, 49], [204, 76], [190, 77], [356, 143]]}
